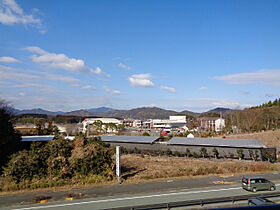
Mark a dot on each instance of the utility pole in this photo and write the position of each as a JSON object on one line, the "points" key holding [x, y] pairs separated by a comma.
{"points": [[118, 167], [87, 129]]}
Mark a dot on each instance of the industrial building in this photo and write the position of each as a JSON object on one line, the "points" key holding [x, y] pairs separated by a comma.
{"points": [[227, 148]]}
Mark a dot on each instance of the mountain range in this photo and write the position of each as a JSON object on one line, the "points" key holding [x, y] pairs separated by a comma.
{"points": [[137, 113]]}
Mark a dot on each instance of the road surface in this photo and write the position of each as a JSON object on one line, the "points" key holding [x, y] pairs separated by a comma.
{"points": [[164, 191]]}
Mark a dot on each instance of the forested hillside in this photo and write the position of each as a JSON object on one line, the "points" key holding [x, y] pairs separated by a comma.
{"points": [[276, 102], [263, 117]]}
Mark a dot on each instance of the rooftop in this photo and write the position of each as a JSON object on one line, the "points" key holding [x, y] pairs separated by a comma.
{"points": [[217, 142], [129, 139], [36, 138]]}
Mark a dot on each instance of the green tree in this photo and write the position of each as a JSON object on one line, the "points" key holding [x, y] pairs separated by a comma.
{"points": [[168, 152], [59, 160], [256, 155], [59, 152], [215, 152], [251, 153], [40, 126], [240, 154], [203, 152], [9, 138], [98, 126], [145, 134], [188, 152], [268, 155], [28, 164]]}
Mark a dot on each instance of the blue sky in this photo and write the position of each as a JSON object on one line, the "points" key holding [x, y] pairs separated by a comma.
{"points": [[179, 55]]}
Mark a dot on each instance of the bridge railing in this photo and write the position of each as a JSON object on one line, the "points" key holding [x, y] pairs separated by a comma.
{"points": [[203, 202]]}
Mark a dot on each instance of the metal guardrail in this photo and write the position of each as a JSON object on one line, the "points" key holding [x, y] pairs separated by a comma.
{"points": [[200, 202]]}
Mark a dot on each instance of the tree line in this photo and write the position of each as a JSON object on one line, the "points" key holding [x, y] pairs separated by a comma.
{"points": [[276, 102], [44, 164]]}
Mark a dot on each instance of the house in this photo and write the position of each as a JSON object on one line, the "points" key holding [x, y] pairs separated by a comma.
{"points": [[212, 123], [137, 123], [128, 122]]}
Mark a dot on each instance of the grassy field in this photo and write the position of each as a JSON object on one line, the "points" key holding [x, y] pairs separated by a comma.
{"points": [[136, 168], [268, 138]]}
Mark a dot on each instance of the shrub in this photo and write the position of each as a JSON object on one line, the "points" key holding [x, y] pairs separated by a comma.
{"points": [[136, 150], [168, 152], [256, 156], [124, 150], [92, 159], [240, 154], [203, 152], [195, 155], [268, 155], [60, 161], [9, 138], [188, 153], [21, 167], [145, 134], [178, 154], [215, 152]]}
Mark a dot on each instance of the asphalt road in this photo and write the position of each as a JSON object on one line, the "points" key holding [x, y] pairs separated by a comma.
{"points": [[136, 194]]}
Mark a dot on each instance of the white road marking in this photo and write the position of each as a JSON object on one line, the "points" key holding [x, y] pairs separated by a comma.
{"points": [[129, 198]]}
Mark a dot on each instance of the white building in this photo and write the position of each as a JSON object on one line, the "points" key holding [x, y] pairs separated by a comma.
{"points": [[173, 122], [177, 119], [104, 121], [212, 123], [137, 123], [159, 124]]}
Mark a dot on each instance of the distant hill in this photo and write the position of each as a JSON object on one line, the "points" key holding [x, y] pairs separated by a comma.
{"points": [[186, 112], [100, 109], [216, 112], [137, 113], [219, 109], [141, 113], [37, 111], [80, 112]]}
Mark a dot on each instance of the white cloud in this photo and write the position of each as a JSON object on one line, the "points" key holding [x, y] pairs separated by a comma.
{"points": [[270, 77], [8, 73], [200, 104], [61, 61], [203, 88], [75, 85], [116, 58], [28, 76], [111, 91], [211, 103], [123, 66], [58, 77], [6, 59], [88, 87], [141, 76], [142, 80], [11, 13], [170, 89], [55, 102]]}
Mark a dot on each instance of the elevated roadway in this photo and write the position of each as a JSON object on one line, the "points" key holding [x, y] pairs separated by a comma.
{"points": [[118, 196]]}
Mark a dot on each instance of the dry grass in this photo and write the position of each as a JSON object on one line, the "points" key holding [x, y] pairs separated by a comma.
{"points": [[137, 168], [268, 138]]}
